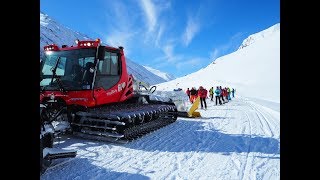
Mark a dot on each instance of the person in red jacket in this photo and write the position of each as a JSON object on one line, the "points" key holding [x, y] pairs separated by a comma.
{"points": [[221, 95], [225, 94], [202, 93]]}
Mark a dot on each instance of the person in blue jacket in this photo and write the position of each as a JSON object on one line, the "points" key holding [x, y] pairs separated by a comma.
{"points": [[218, 92]]}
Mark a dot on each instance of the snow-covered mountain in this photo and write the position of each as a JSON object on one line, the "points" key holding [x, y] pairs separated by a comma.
{"points": [[253, 70], [53, 32], [260, 35], [143, 74], [166, 76]]}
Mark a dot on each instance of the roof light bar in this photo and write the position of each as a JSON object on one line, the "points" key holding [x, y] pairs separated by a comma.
{"points": [[51, 47], [88, 43]]}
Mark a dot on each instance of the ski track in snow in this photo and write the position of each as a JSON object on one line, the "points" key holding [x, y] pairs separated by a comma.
{"points": [[238, 140]]}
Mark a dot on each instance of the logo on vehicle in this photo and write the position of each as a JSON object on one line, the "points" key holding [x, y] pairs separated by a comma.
{"points": [[121, 86], [111, 92]]}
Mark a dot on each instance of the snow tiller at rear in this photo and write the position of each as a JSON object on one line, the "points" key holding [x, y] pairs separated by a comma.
{"points": [[47, 134]]}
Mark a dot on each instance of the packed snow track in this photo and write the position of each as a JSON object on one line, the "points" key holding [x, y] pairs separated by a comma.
{"points": [[237, 140]]}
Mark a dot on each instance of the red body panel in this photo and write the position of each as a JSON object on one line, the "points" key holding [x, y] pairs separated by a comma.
{"points": [[121, 91], [118, 91], [83, 98]]}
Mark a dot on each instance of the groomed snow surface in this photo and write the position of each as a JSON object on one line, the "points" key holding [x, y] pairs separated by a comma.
{"points": [[237, 140]]}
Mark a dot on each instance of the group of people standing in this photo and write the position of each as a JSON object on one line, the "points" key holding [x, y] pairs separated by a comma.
{"points": [[194, 93], [222, 95]]}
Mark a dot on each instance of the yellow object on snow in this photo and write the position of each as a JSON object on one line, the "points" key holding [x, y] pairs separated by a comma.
{"points": [[192, 112]]}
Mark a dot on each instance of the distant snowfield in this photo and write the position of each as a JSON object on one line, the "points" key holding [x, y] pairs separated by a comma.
{"points": [[238, 140], [165, 76]]}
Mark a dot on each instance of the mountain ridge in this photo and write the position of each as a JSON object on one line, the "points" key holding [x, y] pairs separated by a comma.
{"points": [[254, 70]]}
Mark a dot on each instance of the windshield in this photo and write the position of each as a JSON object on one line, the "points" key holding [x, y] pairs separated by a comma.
{"points": [[72, 69]]}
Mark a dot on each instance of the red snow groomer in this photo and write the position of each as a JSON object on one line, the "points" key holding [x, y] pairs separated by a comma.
{"points": [[88, 86], [86, 90]]}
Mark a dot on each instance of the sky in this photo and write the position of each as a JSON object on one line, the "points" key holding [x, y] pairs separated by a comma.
{"points": [[178, 37]]}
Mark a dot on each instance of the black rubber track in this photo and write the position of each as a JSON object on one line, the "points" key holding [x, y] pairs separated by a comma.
{"points": [[124, 122]]}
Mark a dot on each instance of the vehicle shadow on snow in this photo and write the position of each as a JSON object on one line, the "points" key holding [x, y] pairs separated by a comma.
{"points": [[195, 138], [82, 168]]}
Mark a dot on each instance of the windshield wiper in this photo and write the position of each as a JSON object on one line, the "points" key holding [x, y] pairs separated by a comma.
{"points": [[54, 75]]}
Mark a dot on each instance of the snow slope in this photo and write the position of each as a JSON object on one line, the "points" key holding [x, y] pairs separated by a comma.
{"points": [[51, 32], [166, 76], [238, 140], [143, 74], [260, 35], [253, 70]]}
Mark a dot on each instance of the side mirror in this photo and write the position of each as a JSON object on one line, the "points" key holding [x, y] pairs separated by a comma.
{"points": [[101, 52]]}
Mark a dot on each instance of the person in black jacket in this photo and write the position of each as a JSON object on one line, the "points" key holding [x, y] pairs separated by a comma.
{"points": [[193, 94]]}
